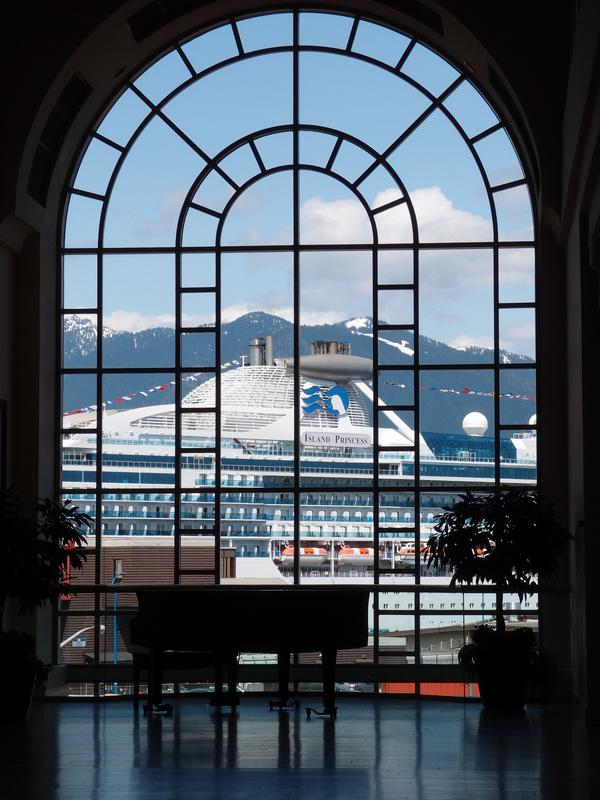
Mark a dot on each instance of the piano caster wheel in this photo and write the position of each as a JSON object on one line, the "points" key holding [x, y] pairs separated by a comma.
{"points": [[165, 709], [291, 704], [331, 713]]}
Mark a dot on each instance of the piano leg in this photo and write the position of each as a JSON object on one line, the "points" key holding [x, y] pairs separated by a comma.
{"points": [[155, 671], [328, 657], [224, 662], [283, 675]]}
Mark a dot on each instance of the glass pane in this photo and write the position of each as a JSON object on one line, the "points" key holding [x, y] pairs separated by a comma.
{"points": [[214, 192], [515, 220], [518, 450], [456, 306], [241, 165], [211, 47], [262, 214], [198, 430], [325, 80], [197, 511], [396, 428], [394, 225], [395, 266], [260, 528], [396, 306], [380, 187], [96, 167], [396, 632], [77, 635], [441, 638], [268, 30], [396, 387], [395, 348], [238, 99], [470, 109], [457, 426], [336, 532], [139, 311], [85, 501], [197, 470], [197, 554], [330, 213], [257, 389], [148, 193], [396, 529], [315, 148], [138, 430], [328, 30], [200, 229], [197, 270], [517, 397], [337, 360], [445, 185], [276, 150], [351, 161], [434, 503], [516, 275], [499, 159], [163, 76], [82, 222], [197, 389], [517, 334], [197, 350], [396, 468], [79, 281], [78, 461], [198, 309], [124, 116], [136, 516], [80, 334], [79, 400], [429, 69], [379, 42]]}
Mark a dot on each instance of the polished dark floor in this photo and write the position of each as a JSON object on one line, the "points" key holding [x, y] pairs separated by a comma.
{"points": [[394, 749]]}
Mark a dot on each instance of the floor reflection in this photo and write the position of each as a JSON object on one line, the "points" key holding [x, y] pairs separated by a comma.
{"points": [[387, 749]]}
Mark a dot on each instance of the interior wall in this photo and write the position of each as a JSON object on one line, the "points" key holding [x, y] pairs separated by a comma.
{"points": [[580, 232]]}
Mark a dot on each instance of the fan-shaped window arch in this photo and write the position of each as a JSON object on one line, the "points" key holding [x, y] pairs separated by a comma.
{"points": [[335, 184]]}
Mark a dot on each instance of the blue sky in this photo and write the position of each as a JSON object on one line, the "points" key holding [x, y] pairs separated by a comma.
{"points": [[434, 165]]}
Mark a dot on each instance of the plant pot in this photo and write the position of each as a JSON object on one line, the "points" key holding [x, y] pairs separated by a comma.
{"points": [[17, 678], [503, 685]]}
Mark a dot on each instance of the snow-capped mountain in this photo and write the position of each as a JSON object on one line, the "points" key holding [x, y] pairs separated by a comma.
{"points": [[439, 411]]}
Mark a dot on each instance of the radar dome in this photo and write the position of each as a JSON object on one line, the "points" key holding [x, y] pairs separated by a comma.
{"points": [[475, 424], [533, 419]]}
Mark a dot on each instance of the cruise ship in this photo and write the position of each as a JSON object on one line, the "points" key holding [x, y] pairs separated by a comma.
{"points": [[256, 443]]}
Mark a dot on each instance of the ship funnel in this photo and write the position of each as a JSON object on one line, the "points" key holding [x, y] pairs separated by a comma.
{"points": [[257, 352], [269, 351], [324, 348]]}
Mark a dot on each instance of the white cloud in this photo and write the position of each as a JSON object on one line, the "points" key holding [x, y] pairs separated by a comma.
{"points": [[455, 284], [122, 320], [334, 222], [519, 339]]}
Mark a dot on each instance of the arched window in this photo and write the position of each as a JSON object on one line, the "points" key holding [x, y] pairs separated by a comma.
{"points": [[299, 256]]}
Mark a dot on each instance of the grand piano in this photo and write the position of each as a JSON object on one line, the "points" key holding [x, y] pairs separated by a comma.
{"points": [[221, 622]]}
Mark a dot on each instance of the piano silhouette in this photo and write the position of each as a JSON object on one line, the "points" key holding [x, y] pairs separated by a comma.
{"points": [[221, 622]]}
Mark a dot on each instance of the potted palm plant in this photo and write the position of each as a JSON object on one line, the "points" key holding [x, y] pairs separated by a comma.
{"points": [[37, 550], [508, 538]]}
